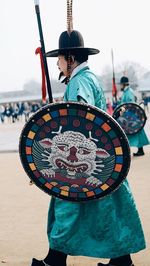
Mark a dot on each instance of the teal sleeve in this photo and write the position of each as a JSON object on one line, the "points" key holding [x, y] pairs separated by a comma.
{"points": [[77, 89], [128, 97]]}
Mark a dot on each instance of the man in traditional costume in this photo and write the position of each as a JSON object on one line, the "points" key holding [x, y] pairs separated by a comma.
{"points": [[139, 139], [106, 228]]}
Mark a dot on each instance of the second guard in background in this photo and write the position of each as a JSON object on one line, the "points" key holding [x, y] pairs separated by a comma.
{"points": [[139, 139]]}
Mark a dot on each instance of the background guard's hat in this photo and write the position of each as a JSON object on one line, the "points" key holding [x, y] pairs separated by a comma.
{"points": [[124, 80]]}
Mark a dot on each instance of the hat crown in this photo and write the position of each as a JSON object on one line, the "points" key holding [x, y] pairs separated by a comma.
{"points": [[124, 80], [71, 40]]}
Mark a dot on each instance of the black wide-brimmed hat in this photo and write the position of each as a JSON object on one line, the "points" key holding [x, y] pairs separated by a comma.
{"points": [[72, 42]]}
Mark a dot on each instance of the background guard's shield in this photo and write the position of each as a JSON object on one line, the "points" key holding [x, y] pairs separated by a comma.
{"points": [[74, 151], [132, 120]]}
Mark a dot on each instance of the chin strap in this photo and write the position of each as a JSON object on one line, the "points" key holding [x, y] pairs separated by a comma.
{"points": [[62, 78]]}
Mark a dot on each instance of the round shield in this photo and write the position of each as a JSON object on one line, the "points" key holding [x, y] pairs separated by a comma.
{"points": [[132, 120], [74, 151]]}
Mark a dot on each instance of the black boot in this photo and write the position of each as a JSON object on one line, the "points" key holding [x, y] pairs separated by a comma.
{"points": [[140, 152], [36, 262], [53, 258], [120, 261]]}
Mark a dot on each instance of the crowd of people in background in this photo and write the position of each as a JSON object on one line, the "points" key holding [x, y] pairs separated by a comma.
{"points": [[21, 111]]}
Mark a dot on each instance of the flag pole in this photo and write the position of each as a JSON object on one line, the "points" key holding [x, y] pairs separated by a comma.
{"points": [[114, 88], [37, 10]]}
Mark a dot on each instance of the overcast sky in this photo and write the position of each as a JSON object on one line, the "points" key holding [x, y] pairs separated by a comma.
{"points": [[104, 24]]}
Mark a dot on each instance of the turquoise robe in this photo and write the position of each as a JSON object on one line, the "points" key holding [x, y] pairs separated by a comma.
{"points": [[106, 228], [140, 139]]}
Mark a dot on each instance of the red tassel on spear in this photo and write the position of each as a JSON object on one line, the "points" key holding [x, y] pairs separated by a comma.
{"points": [[38, 51], [44, 60]]}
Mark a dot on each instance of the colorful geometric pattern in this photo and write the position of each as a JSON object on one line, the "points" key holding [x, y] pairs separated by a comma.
{"points": [[133, 119], [74, 151]]}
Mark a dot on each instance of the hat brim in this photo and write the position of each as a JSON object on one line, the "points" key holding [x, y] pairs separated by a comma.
{"points": [[121, 83], [88, 51]]}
